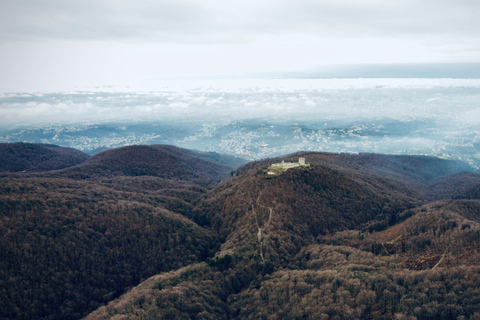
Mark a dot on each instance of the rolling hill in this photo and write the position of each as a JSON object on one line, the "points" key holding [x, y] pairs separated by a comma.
{"points": [[31, 157], [73, 239], [348, 237], [163, 161]]}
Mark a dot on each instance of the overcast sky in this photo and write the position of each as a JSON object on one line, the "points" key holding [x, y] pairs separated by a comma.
{"points": [[57, 44]]}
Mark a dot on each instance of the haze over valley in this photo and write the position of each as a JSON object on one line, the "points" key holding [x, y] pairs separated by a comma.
{"points": [[258, 118]]}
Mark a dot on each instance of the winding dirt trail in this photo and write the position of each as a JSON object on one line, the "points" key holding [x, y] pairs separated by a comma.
{"points": [[265, 225], [442, 257]]}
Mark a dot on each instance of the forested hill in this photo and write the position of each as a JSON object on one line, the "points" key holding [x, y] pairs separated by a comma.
{"points": [[348, 237], [31, 157], [164, 162], [336, 192], [159, 232], [73, 239]]}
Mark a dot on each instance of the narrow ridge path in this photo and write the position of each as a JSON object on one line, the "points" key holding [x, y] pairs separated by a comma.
{"points": [[265, 225]]}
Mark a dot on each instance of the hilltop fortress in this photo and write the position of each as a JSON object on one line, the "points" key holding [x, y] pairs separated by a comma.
{"points": [[282, 166]]}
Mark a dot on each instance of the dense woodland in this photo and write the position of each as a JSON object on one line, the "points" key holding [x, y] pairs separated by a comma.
{"points": [[158, 232], [74, 239], [16, 157]]}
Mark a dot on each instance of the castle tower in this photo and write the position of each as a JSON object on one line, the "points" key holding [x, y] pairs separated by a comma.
{"points": [[301, 161]]}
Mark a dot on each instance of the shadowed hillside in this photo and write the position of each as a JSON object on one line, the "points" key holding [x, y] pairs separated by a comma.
{"points": [[16, 157], [161, 161], [337, 191], [305, 202], [421, 174], [458, 185], [347, 237], [350, 237], [73, 239]]}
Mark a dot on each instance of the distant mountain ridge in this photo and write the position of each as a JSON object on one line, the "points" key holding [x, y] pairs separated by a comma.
{"points": [[161, 161], [256, 138], [34, 157]]}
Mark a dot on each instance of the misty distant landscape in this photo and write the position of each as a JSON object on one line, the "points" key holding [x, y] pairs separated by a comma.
{"points": [[259, 118]]}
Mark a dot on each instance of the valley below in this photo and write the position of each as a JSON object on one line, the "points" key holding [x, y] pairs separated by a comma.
{"points": [[257, 118]]}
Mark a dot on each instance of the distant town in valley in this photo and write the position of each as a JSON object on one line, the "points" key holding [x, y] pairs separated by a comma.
{"points": [[260, 119]]}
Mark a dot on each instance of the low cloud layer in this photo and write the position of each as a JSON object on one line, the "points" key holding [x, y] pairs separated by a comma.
{"points": [[52, 44], [400, 99], [257, 118], [245, 21]]}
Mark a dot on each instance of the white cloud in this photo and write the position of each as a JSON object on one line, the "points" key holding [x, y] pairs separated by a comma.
{"points": [[216, 21], [66, 44], [307, 99]]}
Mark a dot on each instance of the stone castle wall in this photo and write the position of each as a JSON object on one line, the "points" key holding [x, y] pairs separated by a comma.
{"points": [[288, 165]]}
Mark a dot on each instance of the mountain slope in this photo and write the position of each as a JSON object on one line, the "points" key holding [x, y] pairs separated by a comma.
{"points": [[79, 237], [344, 238], [350, 236], [336, 191], [463, 184], [162, 161], [402, 167], [32, 157], [421, 174]]}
